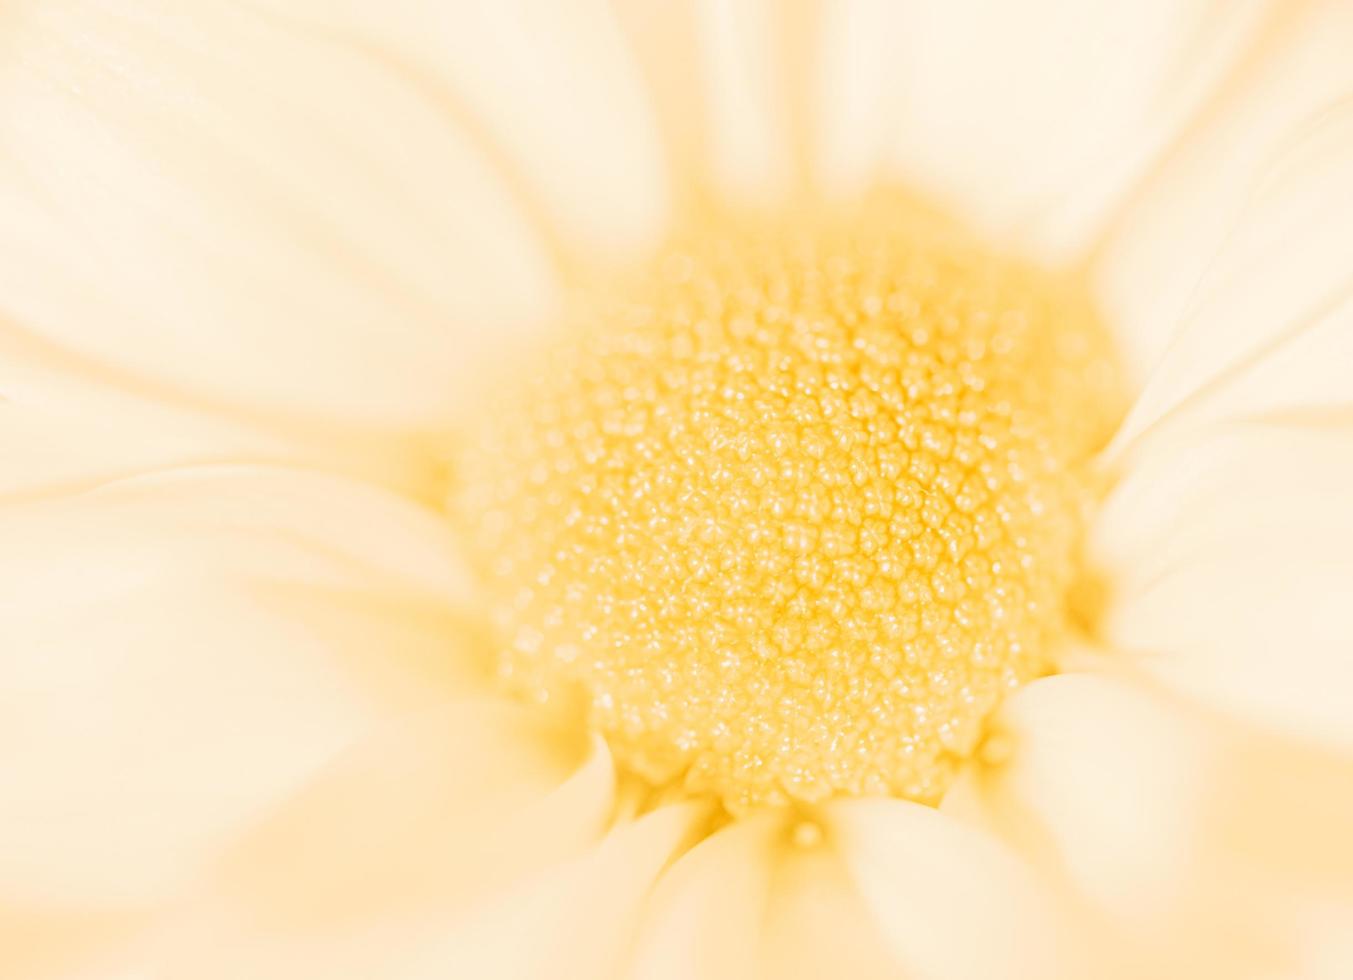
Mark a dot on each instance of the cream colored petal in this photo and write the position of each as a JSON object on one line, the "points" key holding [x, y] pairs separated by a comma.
{"points": [[748, 107], [1230, 562], [366, 872], [575, 921], [1102, 782], [180, 650], [754, 901], [1191, 834], [704, 918], [858, 92], [1211, 261], [1035, 119], [818, 924], [218, 201], [951, 901], [553, 88]]}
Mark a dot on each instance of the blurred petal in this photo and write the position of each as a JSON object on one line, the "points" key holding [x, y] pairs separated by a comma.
{"points": [[415, 828], [859, 74], [211, 199], [182, 649], [1230, 559], [749, 128], [575, 921], [949, 900], [704, 919], [1101, 782], [1193, 835], [751, 901], [1035, 119], [1224, 250], [818, 924], [552, 86]]}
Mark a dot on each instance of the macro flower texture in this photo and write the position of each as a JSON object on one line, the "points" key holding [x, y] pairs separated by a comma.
{"points": [[696, 490]]}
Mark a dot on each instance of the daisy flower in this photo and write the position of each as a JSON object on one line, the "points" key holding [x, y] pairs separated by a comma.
{"points": [[624, 490]]}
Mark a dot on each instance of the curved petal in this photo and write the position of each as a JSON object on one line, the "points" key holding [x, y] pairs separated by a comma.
{"points": [[950, 901], [553, 88], [1102, 783], [757, 899], [704, 919], [181, 649], [1035, 119], [1194, 836], [212, 199], [366, 870], [1229, 561], [1207, 263], [575, 921]]}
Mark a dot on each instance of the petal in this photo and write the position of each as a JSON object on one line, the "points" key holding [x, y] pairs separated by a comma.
{"points": [[210, 200], [181, 649], [748, 108], [1230, 560], [949, 900], [703, 921], [1034, 119], [818, 924], [1193, 835], [757, 899], [365, 872], [858, 92], [575, 921], [553, 88], [1222, 251], [1102, 782]]}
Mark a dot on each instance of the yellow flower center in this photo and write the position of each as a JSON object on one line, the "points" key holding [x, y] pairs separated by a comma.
{"points": [[795, 508]]}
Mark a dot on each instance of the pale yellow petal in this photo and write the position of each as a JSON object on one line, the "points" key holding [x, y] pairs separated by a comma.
{"points": [[758, 899], [1101, 781], [748, 107], [858, 88], [551, 88], [1191, 835], [1206, 265], [951, 901], [575, 921], [703, 921], [1229, 562], [226, 203], [182, 649], [1035, 119]]}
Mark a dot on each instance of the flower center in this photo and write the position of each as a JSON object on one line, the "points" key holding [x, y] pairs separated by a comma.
{"points": [[799, 505]]}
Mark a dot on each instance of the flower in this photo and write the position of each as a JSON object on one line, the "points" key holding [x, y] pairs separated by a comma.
{"points": [[265, 264]]}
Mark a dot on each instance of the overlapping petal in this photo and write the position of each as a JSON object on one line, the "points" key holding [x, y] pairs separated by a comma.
{"points": [[1032, 119], [1233, 242], [221, 202], [181, 649]]}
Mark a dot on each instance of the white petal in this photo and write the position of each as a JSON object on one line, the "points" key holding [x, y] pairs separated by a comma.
{"points": [[1036, 118], [1230, 560], [1212, 235], [575, 921], [225, 203], [180, 650], [951, 902]]}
